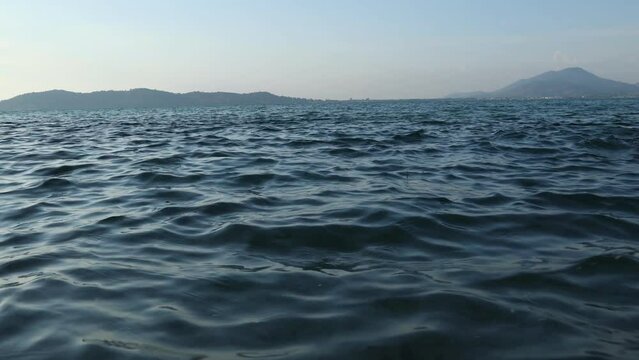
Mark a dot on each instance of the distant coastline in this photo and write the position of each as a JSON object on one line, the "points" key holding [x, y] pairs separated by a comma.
{"points": [[570, 83], [138, 98]]}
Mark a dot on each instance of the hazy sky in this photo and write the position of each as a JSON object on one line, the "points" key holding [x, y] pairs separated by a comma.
{"points": [[310, 48]]}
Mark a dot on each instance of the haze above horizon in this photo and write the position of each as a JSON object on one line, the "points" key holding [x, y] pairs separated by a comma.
{"points": [[329, 49]]}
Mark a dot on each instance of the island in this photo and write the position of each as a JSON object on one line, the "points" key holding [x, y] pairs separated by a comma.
{"points": [[568, 83], [138, 98]]}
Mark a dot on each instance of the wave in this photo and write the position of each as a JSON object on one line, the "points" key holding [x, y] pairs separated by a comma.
{"points": [[372, 230]]}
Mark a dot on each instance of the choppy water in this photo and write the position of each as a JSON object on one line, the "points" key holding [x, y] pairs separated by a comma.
{"points": [[426, 230]]}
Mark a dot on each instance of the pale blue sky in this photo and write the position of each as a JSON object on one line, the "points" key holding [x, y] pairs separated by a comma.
{"points": [[319, 49]]}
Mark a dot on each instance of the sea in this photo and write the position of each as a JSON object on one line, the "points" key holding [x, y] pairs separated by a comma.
{"points": [[443, 229]]}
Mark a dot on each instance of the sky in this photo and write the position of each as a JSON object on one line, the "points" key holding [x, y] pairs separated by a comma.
{"points": [[322, 49]]}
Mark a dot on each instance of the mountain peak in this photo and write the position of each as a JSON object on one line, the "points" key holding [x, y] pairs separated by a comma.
{"points": [[575, 69], [572, 82]]}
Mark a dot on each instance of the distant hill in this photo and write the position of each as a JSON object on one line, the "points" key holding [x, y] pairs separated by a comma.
{"points": [[137, 98], [568, 83]]}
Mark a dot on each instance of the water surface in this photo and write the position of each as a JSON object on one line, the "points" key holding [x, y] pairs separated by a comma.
{"points": [[381, 230]]}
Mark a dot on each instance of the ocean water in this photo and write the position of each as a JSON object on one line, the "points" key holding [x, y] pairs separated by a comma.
{"points": [[372, 230]]}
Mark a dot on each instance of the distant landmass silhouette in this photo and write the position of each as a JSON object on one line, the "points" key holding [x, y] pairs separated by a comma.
{"points": [[137, 98], [572, 82]]}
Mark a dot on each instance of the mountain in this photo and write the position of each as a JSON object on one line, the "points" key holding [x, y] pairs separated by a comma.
{"points": [[568, 83], [137, 98]]}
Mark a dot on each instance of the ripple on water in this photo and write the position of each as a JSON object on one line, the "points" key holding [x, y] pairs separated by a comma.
{"points": [[367, 230]]}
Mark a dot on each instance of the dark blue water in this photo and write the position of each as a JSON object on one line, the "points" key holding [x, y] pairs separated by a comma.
{"points": [[424, 230]]}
